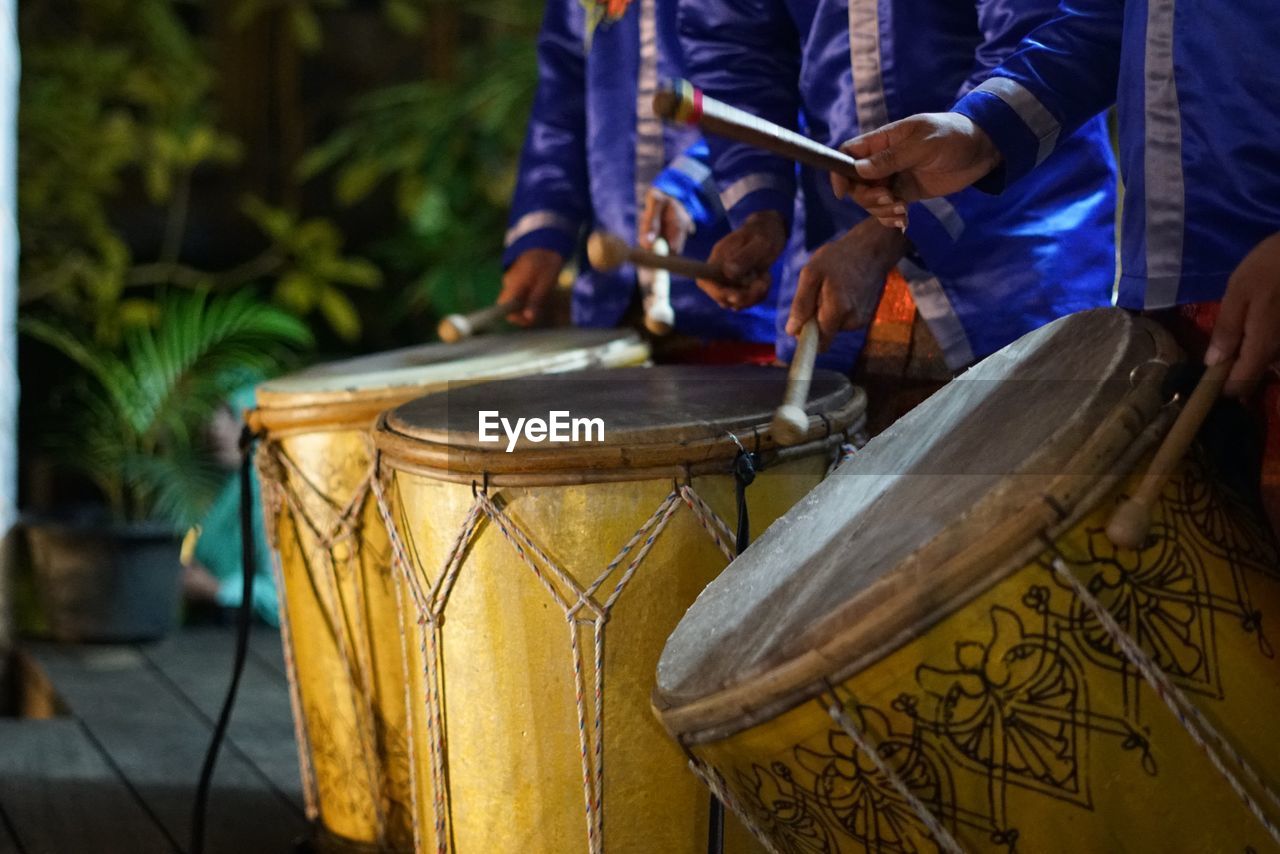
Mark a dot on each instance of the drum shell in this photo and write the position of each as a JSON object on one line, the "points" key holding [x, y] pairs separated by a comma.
{"points": [[514, 766], [316, 456], [1015, 719], [346, 772]]}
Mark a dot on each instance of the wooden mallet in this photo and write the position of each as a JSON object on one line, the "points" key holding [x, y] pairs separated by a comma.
{"points": [[456, 327], [609, 252], [655, 288], [1132, 520], [790, 422], [681, 102]]}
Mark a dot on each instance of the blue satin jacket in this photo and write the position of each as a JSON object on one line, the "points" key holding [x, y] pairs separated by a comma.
{"points": [[593, 149], [984, 270], [1198, 91]]}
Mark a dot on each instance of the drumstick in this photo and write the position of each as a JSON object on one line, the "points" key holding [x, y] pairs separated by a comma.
{"points": [[455, 327], [790, 421], [680, 101], [1131, 520], [609, 252], [659, 317]]}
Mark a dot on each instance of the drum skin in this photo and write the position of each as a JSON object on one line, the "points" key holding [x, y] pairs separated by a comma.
{"points": [[506, 686], [338, 604], [1017, 722]]}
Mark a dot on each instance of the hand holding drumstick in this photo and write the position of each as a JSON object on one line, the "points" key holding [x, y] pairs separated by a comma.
{"points": [[526, 286], [457, 327], [609, 252]]}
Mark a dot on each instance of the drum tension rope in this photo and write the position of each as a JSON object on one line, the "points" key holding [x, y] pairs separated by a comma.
{"points": [[244, 619], [745, 466]]}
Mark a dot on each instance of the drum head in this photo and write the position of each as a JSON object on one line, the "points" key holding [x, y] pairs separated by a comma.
{"points": [[917, 522], [436, 364], [672, 415]]}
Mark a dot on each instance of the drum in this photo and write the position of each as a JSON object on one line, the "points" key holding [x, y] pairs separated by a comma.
{"points": [[338, 612], [541, 578], [940, 649]]}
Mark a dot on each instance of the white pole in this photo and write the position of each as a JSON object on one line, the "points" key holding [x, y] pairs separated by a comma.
{"points": [[8, 298]]}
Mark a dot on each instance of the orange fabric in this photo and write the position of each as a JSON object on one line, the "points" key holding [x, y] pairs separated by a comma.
{"points": [[901, 364], [718, 353]]}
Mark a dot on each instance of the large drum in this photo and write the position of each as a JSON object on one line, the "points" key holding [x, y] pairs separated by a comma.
{"points": [[940, 649], [338, 610], [542, 578]]}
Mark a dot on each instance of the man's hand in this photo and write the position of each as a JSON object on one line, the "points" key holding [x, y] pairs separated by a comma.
{"points": [[920, 157], [528, 282], [746, 256], [843, 280], [664, 217], [1248, 326]]}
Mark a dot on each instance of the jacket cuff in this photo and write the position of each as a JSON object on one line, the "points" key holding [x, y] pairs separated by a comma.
{"points": [[689, 181], [540, 230], [1021, 128], [761, 191]]}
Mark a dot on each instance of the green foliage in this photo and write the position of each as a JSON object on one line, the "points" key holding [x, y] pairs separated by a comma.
{"points": [[448, 150], [117, 94], [118, 115], [304, 17], [110, 89], [138, 431], [314, 269]]}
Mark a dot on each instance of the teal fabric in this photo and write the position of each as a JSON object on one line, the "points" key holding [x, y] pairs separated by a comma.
{"points": [[219, 545], [218, 549]]}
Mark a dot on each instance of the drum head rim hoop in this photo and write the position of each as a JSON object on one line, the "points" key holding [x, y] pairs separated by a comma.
{"points": [[680, 457], [355, 402], [848, 640]]}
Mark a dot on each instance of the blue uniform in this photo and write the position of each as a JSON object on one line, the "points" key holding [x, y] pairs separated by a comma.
{"points": [[1199, 107], [594, 147], [983, 271]]}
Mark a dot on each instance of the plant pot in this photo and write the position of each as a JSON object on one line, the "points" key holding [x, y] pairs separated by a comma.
{"points": [[106, 582]]}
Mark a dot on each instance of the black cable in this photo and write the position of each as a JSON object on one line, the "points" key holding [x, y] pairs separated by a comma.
{"points": [[745, 467], [244, 619]]}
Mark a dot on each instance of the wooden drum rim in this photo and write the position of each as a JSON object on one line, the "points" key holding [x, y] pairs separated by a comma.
{"points": [[280, 413], [1131, 430], [605, 463]]}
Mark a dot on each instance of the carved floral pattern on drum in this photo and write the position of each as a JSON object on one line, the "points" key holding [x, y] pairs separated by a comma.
{"points": [[1225, 524], [1011, 707], [838, 789], [1160, 597]]}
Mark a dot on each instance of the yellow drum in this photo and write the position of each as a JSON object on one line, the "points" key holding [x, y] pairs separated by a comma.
{"points": [[338, 610], [940, 649], [542, 578]]}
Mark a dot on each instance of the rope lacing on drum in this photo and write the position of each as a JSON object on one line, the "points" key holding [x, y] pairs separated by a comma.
{"points": [[713, 781], [279, 469], [1214, 745], [581, 608], [273, 504], [863, 743]]}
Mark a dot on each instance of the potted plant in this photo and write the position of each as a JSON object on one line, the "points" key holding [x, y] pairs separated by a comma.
{"points": [[137, 432]]}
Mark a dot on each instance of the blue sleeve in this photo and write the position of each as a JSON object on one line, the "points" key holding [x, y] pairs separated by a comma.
{"points": [[688, 180], [552, 197], [1003, 25], [1060, 76], [746, 53]]}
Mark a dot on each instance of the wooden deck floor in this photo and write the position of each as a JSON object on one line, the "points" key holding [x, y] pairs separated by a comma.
{"points": [[117, 771]]}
